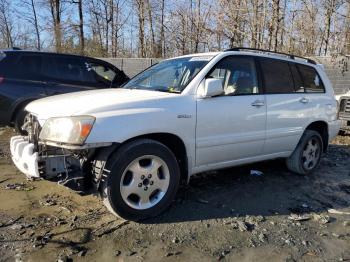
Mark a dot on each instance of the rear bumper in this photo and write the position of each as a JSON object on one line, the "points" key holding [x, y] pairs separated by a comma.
{"points": [[333, 129], [24, 157]]}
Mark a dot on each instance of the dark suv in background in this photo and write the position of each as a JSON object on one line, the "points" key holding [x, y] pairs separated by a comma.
{"points": [[26, 76]]}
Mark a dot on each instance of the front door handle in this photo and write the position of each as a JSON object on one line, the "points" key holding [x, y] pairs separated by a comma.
{"points": [[258, 103], [304, 100]]}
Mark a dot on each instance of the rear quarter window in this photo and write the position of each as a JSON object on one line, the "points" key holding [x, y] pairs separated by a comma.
{"points": [[311, 80]]}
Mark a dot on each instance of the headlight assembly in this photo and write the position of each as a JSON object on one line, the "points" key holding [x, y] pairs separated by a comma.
{"points": [[67, 130]]}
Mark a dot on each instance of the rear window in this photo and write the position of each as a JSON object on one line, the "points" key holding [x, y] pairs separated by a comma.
{"points": [[311, 79], [277, 76]]}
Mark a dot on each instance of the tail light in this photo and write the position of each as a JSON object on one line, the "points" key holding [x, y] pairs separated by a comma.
{"points": [[2, 79]]}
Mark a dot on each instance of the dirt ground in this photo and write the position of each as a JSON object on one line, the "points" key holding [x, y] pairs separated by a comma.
{"points": [[228, 215]]}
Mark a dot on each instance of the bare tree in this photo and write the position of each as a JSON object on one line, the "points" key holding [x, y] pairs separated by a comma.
{"points": [[161, 49], [6, 25], [160, 28], [79, 3], [151, 28], [30, 15], [346, 48], [56, 12], [140, 6], [331, 6]]}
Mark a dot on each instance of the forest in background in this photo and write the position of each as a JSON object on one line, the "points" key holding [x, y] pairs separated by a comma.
{"points": [[166, 28]]}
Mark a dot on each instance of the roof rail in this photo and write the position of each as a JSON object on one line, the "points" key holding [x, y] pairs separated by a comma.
{"points": [[270, 52], [11, 49]]}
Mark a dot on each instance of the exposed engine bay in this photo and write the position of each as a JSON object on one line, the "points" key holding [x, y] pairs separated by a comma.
{"points": [[68, 167]]}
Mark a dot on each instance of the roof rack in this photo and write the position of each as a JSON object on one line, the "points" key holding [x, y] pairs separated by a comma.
{"points": [[271, 52]]}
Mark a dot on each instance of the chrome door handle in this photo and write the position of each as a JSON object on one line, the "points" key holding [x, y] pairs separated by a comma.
{"points": [[258, 103], [304, 100]]}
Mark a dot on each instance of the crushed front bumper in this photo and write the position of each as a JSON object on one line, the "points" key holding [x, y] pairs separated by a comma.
{"points": [[345, 124], [24, 157]]}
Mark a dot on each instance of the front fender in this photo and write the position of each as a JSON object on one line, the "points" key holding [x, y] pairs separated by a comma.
{"points": [[121, 125], [20, 103]]}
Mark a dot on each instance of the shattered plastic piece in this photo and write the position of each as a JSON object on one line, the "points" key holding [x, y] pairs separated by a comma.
{"points": [[296, 217], [337, 212], [322, 219], [256, 173], [242, 226], [19, 187]]}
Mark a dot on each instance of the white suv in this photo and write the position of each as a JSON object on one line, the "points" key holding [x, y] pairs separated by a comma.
{"points": [[180, 117]]}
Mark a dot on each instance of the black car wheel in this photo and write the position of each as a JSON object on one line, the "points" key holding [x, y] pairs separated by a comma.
{"points": [[307, 154], [143, 180]]}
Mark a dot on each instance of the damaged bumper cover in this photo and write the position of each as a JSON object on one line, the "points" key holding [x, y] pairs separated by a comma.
{"points": [[345, 123], [52, 160], [24, 156], [344, 113]]}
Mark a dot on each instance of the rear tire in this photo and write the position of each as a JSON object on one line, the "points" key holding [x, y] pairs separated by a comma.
{"points": [[307, 154], [143, 180]]}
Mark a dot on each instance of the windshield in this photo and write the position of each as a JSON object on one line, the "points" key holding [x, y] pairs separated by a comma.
{"points": [[170, 75]]}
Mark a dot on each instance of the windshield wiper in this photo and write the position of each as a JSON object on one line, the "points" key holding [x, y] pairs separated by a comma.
{"points": [[154, 89]]}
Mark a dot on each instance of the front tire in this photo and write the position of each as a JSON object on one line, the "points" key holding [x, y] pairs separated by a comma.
{"points": [[143, 180], [307, 154]]}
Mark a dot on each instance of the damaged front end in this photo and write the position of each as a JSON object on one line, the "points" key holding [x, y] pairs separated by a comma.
{"points": [[344, 113], [69, 165]]}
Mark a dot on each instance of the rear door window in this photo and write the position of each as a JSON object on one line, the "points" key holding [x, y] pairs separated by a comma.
{"points": [[27, 67], [65, 69], [277, 76], [311, 79]]}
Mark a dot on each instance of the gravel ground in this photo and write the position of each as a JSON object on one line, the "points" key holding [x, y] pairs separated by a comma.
{"points": [[229, 215]]}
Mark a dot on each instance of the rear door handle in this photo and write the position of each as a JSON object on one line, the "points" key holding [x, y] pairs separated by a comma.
{"points": [[304, 100], [258, 103]]}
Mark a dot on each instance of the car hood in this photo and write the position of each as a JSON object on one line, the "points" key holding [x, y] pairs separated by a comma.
{"points": [[90, 102]]}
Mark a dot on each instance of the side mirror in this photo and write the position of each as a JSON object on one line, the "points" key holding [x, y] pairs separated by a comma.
{"points": [[211, 87]]}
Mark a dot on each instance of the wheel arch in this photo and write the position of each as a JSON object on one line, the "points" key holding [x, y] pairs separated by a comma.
{"points": [[322, 128], [175, 144], [19, 105], [172, 141]]}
